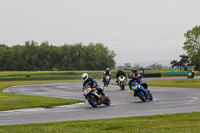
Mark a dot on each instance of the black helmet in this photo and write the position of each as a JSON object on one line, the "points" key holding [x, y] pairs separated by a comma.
{"points": [[120, 71]]}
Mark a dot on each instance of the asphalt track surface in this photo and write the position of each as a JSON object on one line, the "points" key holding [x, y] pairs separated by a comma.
{"points": [[167, 100]]}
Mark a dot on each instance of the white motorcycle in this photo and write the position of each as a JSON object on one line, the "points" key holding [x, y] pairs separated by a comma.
{"points": [[190, 75], [93, 97], [106, 80], [122, 82]]}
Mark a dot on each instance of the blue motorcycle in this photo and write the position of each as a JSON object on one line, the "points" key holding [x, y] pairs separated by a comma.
{"points": [[139, 91]]}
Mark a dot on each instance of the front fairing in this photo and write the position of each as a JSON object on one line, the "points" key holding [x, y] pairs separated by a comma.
{"points": [[121, 80], [136, 89], [107, 78]]}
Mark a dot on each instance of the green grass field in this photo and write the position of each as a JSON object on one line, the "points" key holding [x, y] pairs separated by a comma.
{"points": [[184, 83], [170, 123], [15, 101]]}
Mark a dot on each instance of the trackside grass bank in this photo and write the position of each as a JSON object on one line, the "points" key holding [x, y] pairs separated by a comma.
{"points": [[14, 101], [66, 75], [170, 123], [184, 83]]}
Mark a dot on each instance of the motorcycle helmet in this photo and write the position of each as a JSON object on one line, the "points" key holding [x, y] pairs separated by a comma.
{"points": [[84, 76], [107, 70], [139, 76], [130, 75], [120, 71]]}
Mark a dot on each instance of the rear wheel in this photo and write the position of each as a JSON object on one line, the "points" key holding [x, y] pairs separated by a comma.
{"points": [[92, 101], [108, 102]]}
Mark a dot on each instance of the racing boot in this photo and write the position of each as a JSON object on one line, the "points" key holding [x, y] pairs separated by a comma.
{"points": [[99, 101], [150, 95], [134, 94]]}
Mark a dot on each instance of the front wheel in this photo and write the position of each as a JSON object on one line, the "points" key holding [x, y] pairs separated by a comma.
{"points": [[105, 84], [122, 87], [92, 101], [150, 96], [141, 97]]}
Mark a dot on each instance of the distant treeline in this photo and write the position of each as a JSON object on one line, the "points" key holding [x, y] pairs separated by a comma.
{"points": [[34, 57]]}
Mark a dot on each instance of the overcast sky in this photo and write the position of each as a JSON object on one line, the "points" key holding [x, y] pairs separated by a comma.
{"points": [[137, 30]]}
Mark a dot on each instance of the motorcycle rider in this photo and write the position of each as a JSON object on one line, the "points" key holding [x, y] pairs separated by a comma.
{"points": [[120, 72], [141, 88], [139, 81], [192, 74], [135, 79], [93, 84], [140, 75], [138, 78], [107, 72]]}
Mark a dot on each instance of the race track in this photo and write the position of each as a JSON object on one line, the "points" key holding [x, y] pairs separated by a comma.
{"points": [[166, 101]]}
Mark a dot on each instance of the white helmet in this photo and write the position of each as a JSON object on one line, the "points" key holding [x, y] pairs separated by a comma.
{"points": [[84, 76]]}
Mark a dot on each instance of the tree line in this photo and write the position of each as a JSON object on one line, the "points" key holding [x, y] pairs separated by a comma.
{"points": [[192, 48], [45, 57], [154, 66]]}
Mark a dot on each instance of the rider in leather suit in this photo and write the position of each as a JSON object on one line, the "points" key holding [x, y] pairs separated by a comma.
{"points": [[136, 79], [120, 72], [107, 72], [90, 81]]}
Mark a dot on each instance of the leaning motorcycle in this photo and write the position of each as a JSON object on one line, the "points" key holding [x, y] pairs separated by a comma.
{"points": [[122, 82], [137, 92], [190, 75], [106, 80], [94, 98]]}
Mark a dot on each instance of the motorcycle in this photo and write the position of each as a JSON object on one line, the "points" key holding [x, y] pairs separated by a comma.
{"points": [[137, 92], [106, 80], [190, 75], [94, 98], [122, 82]]}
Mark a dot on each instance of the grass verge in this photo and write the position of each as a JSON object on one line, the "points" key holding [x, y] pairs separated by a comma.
{"points": [[183, 83], [176, 123], [10, 101]]}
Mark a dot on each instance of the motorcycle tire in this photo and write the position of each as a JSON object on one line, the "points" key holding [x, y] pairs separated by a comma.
{"points": [[105, 84], [122, 87], [141, 97], [92, 101], [108, 102], [150, 96]]}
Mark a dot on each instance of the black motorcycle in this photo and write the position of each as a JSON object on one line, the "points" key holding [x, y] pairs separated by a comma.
{"points": [[94, 98]]}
